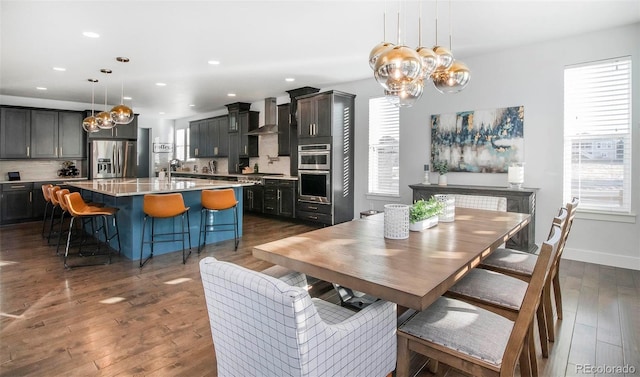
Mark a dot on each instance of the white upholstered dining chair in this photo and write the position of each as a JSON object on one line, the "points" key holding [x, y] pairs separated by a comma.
{"points": [[262, 326], [493, 203]]}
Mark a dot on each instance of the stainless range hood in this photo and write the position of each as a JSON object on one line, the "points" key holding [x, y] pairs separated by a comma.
{"points": [[270, 112]]}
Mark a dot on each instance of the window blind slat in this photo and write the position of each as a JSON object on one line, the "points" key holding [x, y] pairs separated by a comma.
{"points": [[597, 134]]}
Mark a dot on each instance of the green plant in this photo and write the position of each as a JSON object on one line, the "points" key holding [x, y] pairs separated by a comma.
{"points": [[422, 209], [441, 166]]}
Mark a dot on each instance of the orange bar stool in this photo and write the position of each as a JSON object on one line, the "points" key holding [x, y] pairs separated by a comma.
{"points": [[55, 205], [47, 204], [79, 209], [164, 206], [214, 201]]}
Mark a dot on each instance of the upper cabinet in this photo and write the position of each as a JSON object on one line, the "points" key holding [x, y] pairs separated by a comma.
{"points": [[242, 120], [284, 130], [209, 137], [40, 133], [324, 116], [15, 133], [120, 131], [315, 116]]}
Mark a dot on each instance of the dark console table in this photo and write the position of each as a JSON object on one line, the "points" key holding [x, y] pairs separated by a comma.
{"points": [[522, 201]]}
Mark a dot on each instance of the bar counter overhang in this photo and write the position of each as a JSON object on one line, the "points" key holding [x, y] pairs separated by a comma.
{"points": [[127, 195]]}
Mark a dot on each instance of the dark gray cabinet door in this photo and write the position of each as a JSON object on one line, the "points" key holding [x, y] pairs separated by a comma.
{"points": [[71, 137], [194, 138], [16, 202], [222, 127], [286, 200], [44, 134], [15, 133], [234, 153], [284, 131], [127, 131]]}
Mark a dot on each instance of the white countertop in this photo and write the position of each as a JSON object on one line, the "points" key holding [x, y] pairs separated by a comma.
{"points": [[141, 186], [266, 175]]}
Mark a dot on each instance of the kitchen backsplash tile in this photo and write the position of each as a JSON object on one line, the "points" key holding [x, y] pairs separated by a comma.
{"points": [[37, 169]]}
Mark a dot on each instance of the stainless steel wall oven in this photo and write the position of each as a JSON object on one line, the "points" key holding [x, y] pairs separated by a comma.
{"points": [[314, 157], [314, 186]]}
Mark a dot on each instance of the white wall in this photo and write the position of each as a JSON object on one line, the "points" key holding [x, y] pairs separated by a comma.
{"points": [[531, 76]]}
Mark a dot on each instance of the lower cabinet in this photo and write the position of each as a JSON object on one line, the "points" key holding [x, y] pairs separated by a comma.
{"points": [[253, 198], [279, 197], [316, 212], [17, 202]]}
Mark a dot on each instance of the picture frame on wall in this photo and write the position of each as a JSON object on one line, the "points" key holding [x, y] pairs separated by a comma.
{"points": [[479, 141], [162, 147]]}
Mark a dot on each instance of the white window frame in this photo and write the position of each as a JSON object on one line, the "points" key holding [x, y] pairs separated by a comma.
{"points": [[597, 115], [384, 148]]}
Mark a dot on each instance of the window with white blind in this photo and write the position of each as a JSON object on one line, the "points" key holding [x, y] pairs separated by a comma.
{"points": [[597, 134], [384, 147]]}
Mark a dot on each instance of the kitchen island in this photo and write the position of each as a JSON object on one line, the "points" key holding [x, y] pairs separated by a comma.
{"points": [[127, 195]]}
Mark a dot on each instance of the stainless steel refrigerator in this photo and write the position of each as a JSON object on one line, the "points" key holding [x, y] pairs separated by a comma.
{"points": [[113, 159]]}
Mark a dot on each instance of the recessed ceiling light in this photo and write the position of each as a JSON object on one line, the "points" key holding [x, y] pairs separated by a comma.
{"points": [[161, 84], [231, 95], [213, 62], [192, 105], [127, 98], [161, 113], [90, 34], [41, 88], [59, 69], [289, 79]]}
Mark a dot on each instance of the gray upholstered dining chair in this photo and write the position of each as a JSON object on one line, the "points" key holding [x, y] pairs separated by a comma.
{"points": [[262, 326], [475, 340], [519, 264], [504, 294]]}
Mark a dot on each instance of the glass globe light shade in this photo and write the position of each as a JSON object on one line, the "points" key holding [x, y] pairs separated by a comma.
{"points": [[445, 56], [377, 51], [121, 114], [104, 120], [429, 61], [452, 80], [89, 124], [401, 64], [406, 97]]}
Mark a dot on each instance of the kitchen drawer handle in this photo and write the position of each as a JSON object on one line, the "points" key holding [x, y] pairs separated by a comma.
{"points": [[313, 217], [21, 186], [310, 207]]}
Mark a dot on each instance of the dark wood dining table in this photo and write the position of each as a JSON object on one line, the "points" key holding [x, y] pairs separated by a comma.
{"points": [[411, 272]]}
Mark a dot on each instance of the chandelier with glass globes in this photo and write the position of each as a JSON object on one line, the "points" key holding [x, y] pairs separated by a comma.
{"points": [[403, 71]]}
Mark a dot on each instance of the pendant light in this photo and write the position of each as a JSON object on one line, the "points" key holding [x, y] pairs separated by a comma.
{"points": [[444, 55], [89, 123], [122, 114], [381, 47], [398, 67], [454, 78], [104, 117]]}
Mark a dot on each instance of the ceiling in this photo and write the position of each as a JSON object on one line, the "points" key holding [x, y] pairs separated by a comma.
{"points": [[258, 44]]}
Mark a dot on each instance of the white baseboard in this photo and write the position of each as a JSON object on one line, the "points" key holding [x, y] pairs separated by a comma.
{"points": [[606, 259]]}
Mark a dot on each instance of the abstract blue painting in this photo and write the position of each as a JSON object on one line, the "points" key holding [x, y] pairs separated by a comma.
{"points": [[480, 141]]}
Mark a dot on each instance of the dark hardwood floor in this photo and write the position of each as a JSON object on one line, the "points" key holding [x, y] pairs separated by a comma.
{"points": [[120, 320]]}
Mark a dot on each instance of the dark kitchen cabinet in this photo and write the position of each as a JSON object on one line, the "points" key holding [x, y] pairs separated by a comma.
{"points": [[248, 121], [44, 134], [284, 130], [219, 130], [253, 198], [199, 139], [279, 197], [57, 134], [120, 131], [16, 202], [15, 132], [293, 124], [71, 136], [315, 116], [234, 153]]}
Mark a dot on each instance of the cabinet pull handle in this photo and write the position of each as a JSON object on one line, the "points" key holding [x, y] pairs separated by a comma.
{"points": [[312, 207], [196, 151], [215, 150], [313, 217], [116, 130], [28, 154], [56, 152], [30, 196], [17, 187], [245, 149], [60, 151]]}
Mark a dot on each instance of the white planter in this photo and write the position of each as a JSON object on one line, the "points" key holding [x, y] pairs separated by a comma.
{"points": [[419, 226], [442, 180]]}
